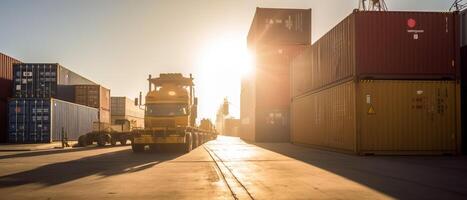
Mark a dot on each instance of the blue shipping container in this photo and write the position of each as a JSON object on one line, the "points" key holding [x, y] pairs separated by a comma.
{"points": [[42, 120], [43, 80]]}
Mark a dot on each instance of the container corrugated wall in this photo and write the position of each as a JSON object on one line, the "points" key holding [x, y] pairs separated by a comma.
{"points": [[6, 82], [407, 116], [380, 45], [411, 45], [123, 106], [248, 107], [42, 80], [380, 116], [274, 26], [326, 118], [464, 98], [42, 120], [94, 96], [463, 28]]}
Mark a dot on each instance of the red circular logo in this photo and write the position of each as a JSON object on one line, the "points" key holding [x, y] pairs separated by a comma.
{"points": [[411, 23]]}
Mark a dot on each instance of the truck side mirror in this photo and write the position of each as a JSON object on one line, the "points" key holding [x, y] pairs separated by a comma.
{"points": [[136, 101]]}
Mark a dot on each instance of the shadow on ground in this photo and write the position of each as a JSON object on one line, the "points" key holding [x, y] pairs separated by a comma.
{"points": [[50, 152], [105, 165], [402, 177]]}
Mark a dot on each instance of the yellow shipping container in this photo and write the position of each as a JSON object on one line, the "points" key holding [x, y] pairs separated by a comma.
{"points": [[380, 117]]}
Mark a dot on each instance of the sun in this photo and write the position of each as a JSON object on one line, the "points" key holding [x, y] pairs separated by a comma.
{"points": [[227, 55], [221, 65]]}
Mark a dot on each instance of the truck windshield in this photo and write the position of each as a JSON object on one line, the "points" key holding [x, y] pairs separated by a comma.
{"points": [[166, 110]]}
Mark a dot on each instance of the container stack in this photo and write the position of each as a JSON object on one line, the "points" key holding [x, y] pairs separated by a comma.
{"points": [[6, 82], [380, 83], [275, 37], [43, 107], [98, 97], [463, 30], [124, 110]]}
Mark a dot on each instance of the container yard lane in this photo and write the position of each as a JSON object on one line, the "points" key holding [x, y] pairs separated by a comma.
{"points": [[227, 168]]}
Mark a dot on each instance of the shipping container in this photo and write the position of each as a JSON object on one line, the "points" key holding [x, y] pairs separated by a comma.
{"points": [[6, 82], [381, 45], [94, 96], [42, 120], [273, 26], [379, 117], [42, 80], [265, 95], [248, 107], [6, 76], [123, 108], [464, 98], [463, 27]]}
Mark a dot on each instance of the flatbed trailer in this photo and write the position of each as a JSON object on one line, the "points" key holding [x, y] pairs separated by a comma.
{"points": [[104, 137]]}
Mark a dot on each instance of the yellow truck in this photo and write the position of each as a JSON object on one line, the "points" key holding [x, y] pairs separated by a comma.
{"points": [[170, 115]]}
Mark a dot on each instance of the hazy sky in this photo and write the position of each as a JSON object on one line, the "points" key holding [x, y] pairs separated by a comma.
{"points": [[117, 43]]}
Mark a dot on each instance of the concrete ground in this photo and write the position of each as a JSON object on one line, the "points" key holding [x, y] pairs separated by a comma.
{"points": [[227, 168]]}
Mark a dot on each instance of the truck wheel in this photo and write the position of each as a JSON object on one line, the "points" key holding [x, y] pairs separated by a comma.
{"points": [[137, 148], [195, 141], [188, 144], [113, 141], [82, 141], [101, 141], [123, 141]]}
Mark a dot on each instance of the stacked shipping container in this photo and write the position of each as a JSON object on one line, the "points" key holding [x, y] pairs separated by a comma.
{"points": [[42, 108], [359, 88], [94, 96], [275, 36], [6, 81], [123, 108], [463, 33], [39, 120]]}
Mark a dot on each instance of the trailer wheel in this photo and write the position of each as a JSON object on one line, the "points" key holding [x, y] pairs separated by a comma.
{"points": [[195, 140], [82, 141], [188, 144], [113, 141], [137, 148], [101, 141], [123, 141]]}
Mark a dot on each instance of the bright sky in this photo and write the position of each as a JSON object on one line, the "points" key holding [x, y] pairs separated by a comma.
{"points": [[117, 43]]}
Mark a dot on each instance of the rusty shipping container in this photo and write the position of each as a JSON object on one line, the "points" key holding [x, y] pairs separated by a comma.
{"points": [[274, 26], [6, 82], [381, 45], [94, 96], [379, 117]]}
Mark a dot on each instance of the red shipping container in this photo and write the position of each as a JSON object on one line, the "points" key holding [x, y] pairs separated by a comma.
{"points": [[380, 45], [6, 82]]}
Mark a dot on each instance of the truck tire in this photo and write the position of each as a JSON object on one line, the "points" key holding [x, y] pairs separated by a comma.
{"points": [[82, 141], [137, 148], [123, 142], [113, 141], [188, 144], [101, 141], [195, 141]]}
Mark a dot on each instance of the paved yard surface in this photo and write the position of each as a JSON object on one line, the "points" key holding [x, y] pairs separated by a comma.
{"points": [[227, 168]]}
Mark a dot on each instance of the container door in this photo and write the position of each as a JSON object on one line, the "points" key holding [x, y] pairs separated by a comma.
{"points": [[18, 128]]}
